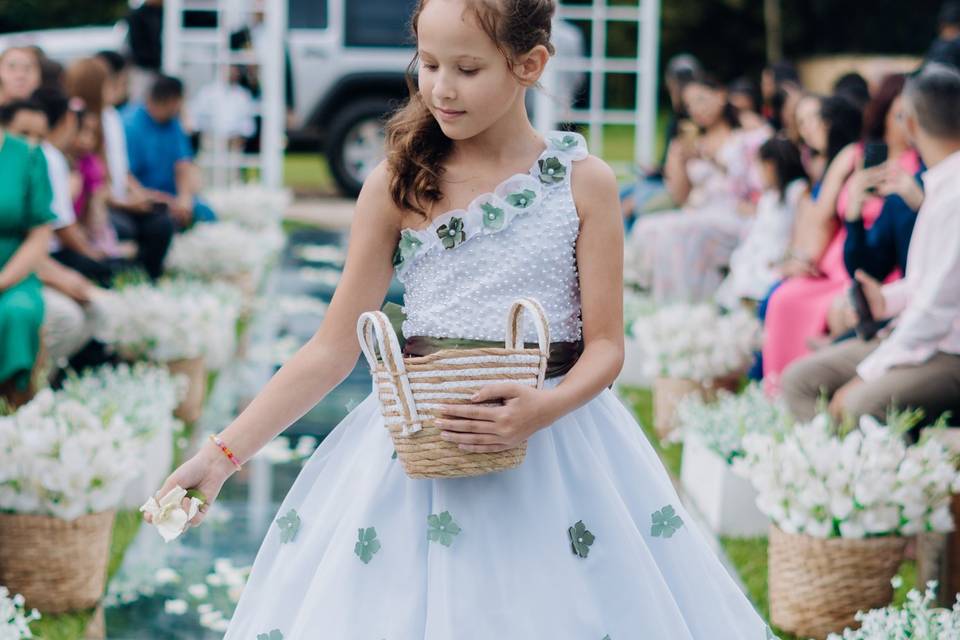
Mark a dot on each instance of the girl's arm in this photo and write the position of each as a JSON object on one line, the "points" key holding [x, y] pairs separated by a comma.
{"points": [[324, 361], [675, 171], [27, 257], [331, 354]]}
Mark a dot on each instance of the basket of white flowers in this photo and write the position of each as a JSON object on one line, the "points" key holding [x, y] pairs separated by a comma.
{"points": [[227, 252], [146, 396], [63, 470], [712, 434], [842, 506], [251, 205], [692, 350], [186, 325]]}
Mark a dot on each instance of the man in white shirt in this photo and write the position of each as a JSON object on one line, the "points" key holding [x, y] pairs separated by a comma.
{"points": [[917, 364]]}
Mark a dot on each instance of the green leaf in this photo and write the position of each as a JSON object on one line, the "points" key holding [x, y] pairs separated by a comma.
{"points": [[272, 635], [196, 493]]}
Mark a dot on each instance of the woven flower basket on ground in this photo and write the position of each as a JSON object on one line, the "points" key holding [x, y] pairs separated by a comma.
{"points": [[667, 394], [57, 565], [818, 585], [412, 389], [196, 372]]}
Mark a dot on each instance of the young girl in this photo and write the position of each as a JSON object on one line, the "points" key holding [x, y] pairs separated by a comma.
{"points": [[587, 538], [754, 265], [90, 200]]}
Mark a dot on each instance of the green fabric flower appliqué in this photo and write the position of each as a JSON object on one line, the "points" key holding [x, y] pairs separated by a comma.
{"points": [[580, 539], [367, 544], [565, 142], [522, 199], [273, 635], [666, 522], [452, 234], [552, 170], [289, 526], [442, 528], [493, 217], [408, 247]]}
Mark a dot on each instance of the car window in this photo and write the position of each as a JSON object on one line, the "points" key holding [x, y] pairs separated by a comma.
{"points": [[307, 14], [378, 23]]}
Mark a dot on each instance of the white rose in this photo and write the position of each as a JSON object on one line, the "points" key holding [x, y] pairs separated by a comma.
{"points": [[168, 515]]}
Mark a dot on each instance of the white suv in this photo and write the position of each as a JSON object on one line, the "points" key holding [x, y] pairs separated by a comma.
{"points": [[348, 58]]}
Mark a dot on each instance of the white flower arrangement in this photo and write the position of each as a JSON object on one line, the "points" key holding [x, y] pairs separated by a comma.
{"points": [[695, 342], [175, 319], [224, 250], [14, 619], [722, 425], [917, 620], [58, 458], [251, 205], [868, 482], [145, 395]]}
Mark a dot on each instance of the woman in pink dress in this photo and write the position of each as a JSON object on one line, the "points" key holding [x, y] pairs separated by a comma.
{"points": [[798, 310]]}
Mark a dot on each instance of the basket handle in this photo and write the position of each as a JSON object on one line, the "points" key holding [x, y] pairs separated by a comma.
{"points": [[376, 334], [515, 337]]}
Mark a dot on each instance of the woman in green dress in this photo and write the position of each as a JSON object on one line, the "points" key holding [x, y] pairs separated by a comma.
{"points": [[25, 215]]}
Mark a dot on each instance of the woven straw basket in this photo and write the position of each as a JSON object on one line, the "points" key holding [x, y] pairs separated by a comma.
{"points": [[411, 390], [818, 585], [57, 565]]}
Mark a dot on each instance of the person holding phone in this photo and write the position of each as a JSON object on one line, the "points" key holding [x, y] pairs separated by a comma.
{"points": [[917, 364]]}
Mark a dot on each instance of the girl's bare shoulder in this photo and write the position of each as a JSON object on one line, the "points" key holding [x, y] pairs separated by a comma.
{"points": [[594, 183]]}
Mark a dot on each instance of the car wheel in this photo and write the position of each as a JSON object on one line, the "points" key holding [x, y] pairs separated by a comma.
{"points": [[355, 144]]}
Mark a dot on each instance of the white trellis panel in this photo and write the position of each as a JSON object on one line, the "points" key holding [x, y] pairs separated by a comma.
{"points": [[203, 55], [646, 15]]}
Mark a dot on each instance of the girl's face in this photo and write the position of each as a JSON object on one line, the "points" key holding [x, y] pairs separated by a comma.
{"points": [[768, 174], [19, 74], [464, 79], [31, 125], [812, 128], [895, 125], [87, 136], [705, 105]]}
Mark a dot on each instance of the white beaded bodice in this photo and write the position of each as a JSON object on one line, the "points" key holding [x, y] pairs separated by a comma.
{"points": [[463, 271]]}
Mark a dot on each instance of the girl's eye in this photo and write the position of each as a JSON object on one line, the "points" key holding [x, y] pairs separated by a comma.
{"points": [[469, 72], [429, 67]]}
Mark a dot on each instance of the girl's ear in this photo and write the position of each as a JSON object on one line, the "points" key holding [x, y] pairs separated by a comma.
{"points": [[529, 67]]}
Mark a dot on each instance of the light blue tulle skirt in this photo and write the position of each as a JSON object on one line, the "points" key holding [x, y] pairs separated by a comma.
{"points": [[586, 539]]}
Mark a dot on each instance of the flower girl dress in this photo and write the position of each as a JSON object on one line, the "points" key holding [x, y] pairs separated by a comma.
{"points": [[585, 540]]}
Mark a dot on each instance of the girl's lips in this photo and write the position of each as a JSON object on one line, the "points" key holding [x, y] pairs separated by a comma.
{"points": [[447, 114]]}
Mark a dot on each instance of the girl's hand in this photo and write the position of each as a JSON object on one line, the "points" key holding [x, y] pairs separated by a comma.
{"points": [[487, 429], [206, 472]]}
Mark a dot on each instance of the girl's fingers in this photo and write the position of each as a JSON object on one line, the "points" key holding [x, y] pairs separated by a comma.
{"points": [[470, 438]]}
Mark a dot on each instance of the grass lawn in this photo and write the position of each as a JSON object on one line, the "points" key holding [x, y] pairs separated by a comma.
{"points": [[747, 555]]}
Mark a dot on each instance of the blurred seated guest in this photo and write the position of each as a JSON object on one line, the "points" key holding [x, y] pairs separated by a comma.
{"points": [[90, 202], [25, 119], [853, 87], [649, 193], [145, 43], [798, 312], [754, 265], [780, 90], [712, 171], [19, 74], [946, 48], [917, 364], [134, 212], [69, 245], [25, 218], [744, 95], [227, 111], [160, 155]]}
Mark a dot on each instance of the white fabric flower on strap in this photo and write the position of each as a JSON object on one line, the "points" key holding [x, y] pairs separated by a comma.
{"points": [[168, 515]]}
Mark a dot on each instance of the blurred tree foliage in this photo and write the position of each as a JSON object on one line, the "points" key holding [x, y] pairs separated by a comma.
{"points": [[23, 15]]}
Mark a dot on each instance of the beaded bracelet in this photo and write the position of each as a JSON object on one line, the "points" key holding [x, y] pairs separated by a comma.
{"points": [[226, 450]]}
